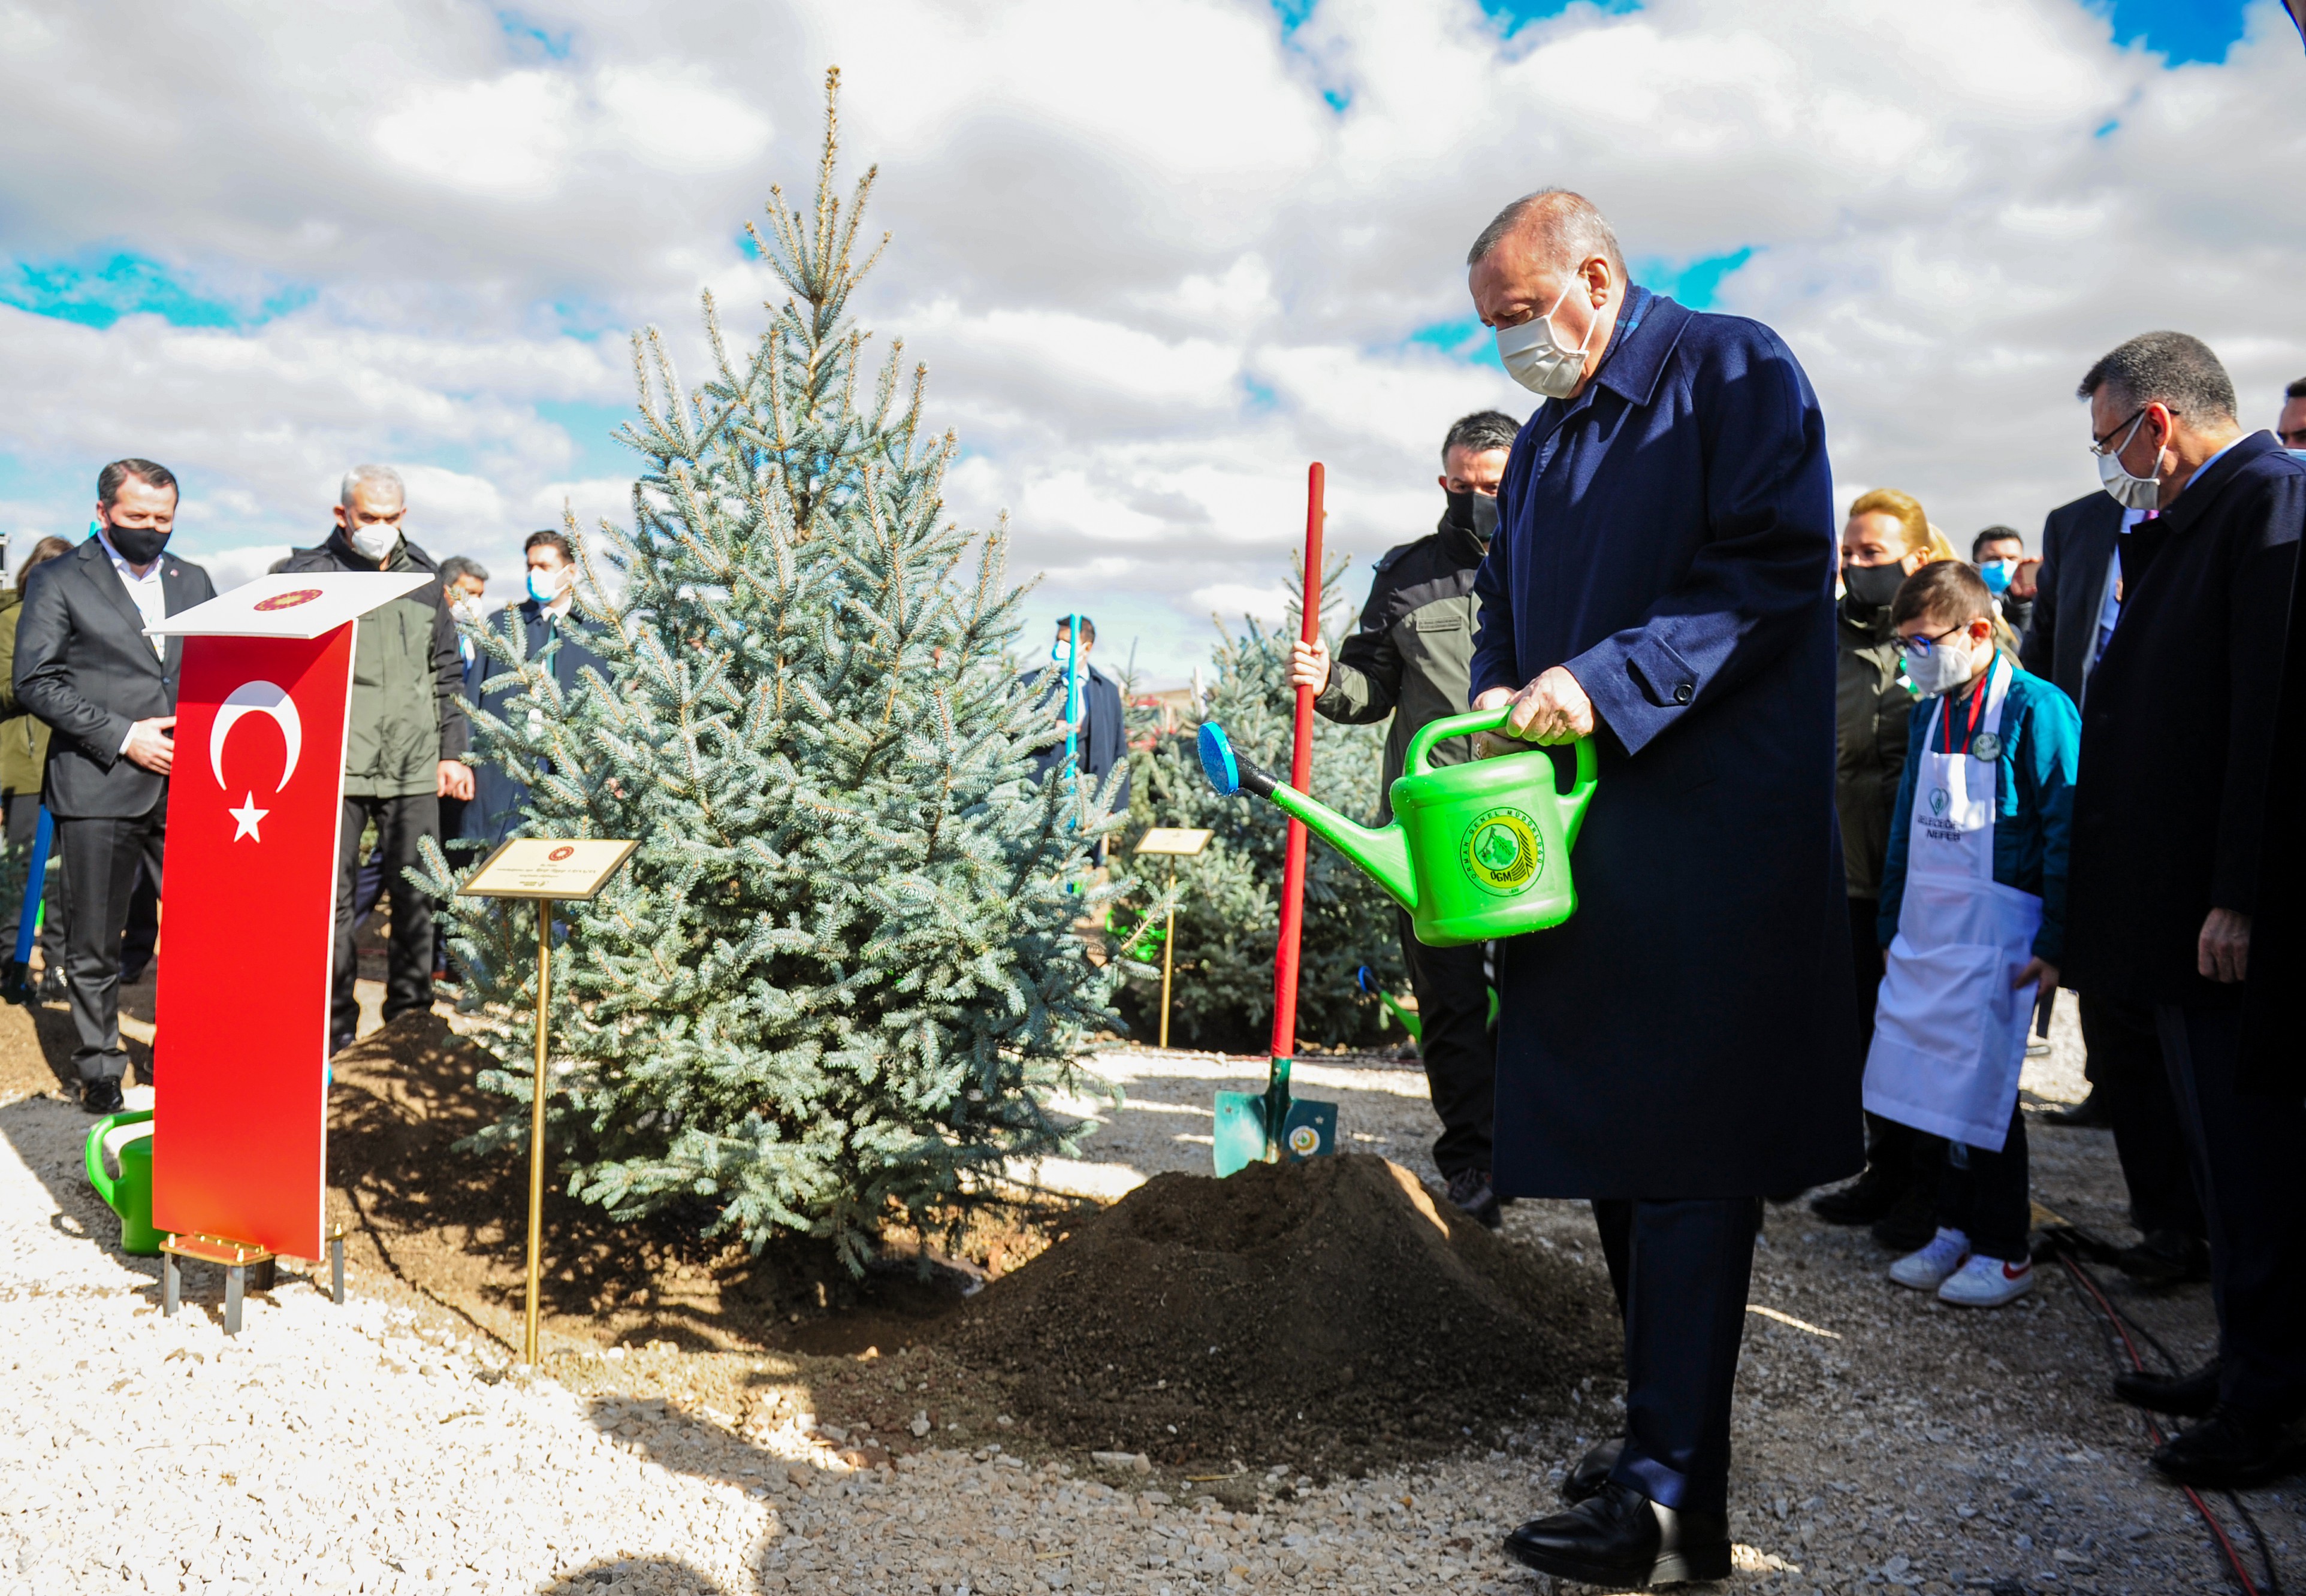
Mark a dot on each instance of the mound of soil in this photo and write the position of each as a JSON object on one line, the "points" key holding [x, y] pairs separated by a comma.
{"points": [[1323, 1314]]}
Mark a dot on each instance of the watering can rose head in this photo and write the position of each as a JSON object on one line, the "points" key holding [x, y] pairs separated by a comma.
{"points": [[1475, 850]]}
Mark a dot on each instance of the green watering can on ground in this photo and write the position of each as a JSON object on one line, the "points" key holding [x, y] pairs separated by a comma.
{"points": [[1475, 850], [130, 1194]]}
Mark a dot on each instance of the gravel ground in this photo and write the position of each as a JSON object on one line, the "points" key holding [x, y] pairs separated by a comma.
{"points": [[1883, 1440]]}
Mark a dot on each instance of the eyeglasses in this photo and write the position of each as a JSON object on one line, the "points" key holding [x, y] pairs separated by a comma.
{"points": [[2105, 444], [1919, 648]]}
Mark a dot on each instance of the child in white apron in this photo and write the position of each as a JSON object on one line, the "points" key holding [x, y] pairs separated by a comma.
{"points": [[1973, 912]]}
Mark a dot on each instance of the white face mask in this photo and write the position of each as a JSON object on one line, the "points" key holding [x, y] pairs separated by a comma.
{"points": [[2130, 492], [468, 610], [547, 586], [375, 540], [1946, 667], [1535, 358]]}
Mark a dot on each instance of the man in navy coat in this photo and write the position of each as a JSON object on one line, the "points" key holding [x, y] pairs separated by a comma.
{"points": [[2169, 818], [1661, 580]]}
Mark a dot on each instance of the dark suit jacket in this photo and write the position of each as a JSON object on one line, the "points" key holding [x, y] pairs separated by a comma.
{"points": [[2077, 541], [494, 813], [2176, 736], [1105, 740], [1667, 536], [84, 666]]}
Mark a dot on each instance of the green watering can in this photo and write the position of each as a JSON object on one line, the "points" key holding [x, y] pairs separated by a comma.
{"points": [[1475, 850], [130, 1195]]}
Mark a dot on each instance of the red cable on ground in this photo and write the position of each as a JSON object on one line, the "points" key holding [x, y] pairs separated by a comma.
{"points": [[2234, 1558]]}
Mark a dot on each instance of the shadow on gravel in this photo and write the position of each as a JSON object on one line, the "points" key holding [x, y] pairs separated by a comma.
{"points": [[637, 1576]]}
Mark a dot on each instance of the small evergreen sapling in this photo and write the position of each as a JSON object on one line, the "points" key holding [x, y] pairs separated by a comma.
{"points": [[840, 973]]}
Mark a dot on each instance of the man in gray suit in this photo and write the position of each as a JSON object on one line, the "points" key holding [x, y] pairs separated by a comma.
{"points": [[109, 694]]}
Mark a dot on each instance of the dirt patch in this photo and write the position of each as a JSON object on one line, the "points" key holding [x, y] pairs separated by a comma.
{"points": [[1328, 1314], [451, 1225]]}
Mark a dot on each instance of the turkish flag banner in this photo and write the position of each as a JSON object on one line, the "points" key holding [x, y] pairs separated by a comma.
{"points": [[240, 1140]]}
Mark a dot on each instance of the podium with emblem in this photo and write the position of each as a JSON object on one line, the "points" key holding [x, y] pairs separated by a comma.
{"points": [[240, 1124]]}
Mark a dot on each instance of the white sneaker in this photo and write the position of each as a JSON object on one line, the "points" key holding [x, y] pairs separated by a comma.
{"points": [[1928, 1270], [1987, 1282]]}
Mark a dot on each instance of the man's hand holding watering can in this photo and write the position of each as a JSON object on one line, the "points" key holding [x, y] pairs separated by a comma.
{"points": [[1552, 709]]}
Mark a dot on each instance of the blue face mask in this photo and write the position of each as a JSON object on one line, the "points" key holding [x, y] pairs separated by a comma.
{"points": [[546, 587], [1996, 573]]}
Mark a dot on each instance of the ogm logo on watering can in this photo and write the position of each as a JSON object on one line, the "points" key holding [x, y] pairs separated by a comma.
{"points": [[1502, 850]]}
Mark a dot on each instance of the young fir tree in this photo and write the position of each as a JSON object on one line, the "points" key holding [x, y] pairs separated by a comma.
{"points": [[1228, 910], [840, 972]]}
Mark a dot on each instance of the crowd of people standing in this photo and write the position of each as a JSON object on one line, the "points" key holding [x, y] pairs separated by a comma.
{"points": [[91, 707]]}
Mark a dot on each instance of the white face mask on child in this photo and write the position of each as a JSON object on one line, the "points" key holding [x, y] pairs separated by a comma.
{"points": [[1949, 664]]}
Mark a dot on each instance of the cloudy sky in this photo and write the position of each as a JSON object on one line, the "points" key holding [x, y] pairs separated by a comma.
{"points": [[1157, 255]]}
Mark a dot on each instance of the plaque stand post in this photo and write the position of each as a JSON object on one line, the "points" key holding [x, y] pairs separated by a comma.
{"points": [[544, 870], [536, 1125]]}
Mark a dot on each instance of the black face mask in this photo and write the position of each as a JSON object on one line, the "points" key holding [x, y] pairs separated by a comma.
{"points": [[1873, 586], [1476, 513], [138, 545]]}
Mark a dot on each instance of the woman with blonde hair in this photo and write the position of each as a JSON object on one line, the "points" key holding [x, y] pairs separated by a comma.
{"points": [[1887, 538]]}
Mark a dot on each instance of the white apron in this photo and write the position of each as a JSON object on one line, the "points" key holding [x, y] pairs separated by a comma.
{"points": [[1949, 1029]]}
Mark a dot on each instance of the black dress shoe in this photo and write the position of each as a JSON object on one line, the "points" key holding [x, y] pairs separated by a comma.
{"points": [[2088, 1115], [2165, 1258], [2189, 1396], [1912, 1223], [1865, 1199], [2229, 1450], [1592, 1471], [101, 1095], [1470, 1192], [1620, 1537]]}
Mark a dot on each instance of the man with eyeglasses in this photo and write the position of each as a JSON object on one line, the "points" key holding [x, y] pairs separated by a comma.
{"points": [[2169, 819]]}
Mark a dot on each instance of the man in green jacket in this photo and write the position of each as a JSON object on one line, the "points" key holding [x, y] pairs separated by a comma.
{"points": [[404, 748], [23, 758], [1412, 660]]}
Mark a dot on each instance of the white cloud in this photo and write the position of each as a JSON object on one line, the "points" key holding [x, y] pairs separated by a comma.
{"points": [[1152, 270]]}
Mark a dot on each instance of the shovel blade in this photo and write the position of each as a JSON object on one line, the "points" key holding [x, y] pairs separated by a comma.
{"points": [[1310, 1132]]}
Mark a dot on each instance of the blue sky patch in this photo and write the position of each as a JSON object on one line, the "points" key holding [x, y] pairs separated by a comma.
{"points": [[1467, 339], [2180, 31], [1511, 14], [1293, 13], [530, 41], [1693, 282], [592, 427], [97, 290]]}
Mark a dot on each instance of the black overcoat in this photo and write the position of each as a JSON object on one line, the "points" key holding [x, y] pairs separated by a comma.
{"points": [[1668, 537], [2170, 804], [494, 813]]}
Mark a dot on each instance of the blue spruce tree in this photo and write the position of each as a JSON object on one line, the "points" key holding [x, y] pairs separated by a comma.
{"points": [[840, 976]]}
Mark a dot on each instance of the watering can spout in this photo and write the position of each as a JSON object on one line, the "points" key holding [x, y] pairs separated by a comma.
{"points": [[1383, 852]]}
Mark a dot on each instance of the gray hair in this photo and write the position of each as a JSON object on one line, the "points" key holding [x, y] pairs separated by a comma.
{"points": [[1568, 230], [1479, 433], [2174, 368], [367, 476], [457, 566]]}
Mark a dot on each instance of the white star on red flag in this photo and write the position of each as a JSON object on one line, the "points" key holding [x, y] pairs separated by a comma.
{"points": [[246, 816]]}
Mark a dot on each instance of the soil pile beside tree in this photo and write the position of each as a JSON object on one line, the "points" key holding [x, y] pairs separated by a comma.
{"points": [[1320, 1314]]}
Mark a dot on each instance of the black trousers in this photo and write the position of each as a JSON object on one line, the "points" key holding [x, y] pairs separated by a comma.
{"points": [[1984, 1195], [1889, 1147], [2249, 1157], [1681, 1269], [22, 819], [101, 856], [401, 823], [1457, 1045], [2126, 1069]]}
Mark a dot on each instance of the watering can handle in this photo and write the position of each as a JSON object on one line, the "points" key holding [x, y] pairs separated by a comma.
{"points": [[93, 1154], [1573, 802]]}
